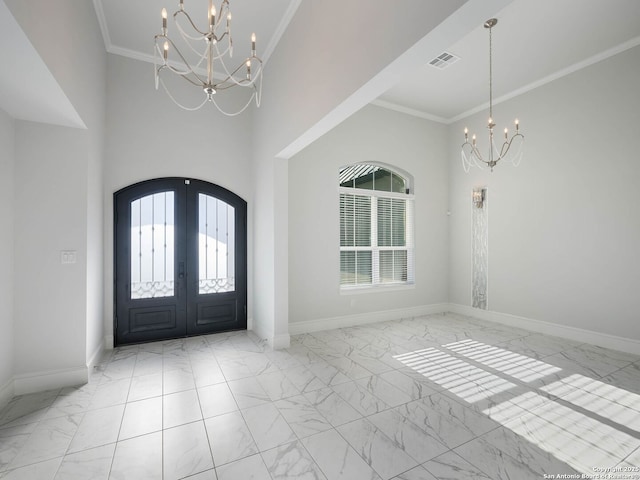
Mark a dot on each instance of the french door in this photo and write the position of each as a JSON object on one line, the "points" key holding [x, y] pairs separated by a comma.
{"points": [[180, 260]]}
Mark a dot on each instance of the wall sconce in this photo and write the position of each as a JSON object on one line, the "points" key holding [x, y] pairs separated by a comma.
{"points": [[479, 196]]}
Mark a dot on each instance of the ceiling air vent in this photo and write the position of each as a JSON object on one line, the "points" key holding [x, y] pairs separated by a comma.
{"points": [[443, 60]]}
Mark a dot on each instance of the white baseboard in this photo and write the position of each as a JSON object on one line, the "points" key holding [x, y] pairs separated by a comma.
{"points": [[48, 380], [563, 331], [279, 342], [7, 392], [95, 357], [108, 342], [571, 333], [308, 326], [261, 332], [276, 342]]}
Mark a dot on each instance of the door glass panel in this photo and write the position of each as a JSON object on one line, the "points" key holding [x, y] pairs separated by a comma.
{"points": [[216, 245], [152, 246]]}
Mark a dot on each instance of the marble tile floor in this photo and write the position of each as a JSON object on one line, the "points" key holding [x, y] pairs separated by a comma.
{"points": [[436, 397]]}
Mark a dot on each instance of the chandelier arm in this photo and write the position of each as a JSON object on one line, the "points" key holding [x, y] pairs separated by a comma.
{"points": [[465, 164], [167, 39], [157, 51], [230, 81], [226, 85], [185, 75], [478, 155], [504, 150], [221, 55], [475, 155], [230, 77], [186, 38], [224, 112], [508, 145], [243, 83], [219, 39], [184, 60], [190, 109], [471, 159], [190, 21], [221, 14], [517, 157]]}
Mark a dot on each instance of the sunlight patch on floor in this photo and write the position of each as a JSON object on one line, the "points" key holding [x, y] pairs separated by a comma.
{"points": [[571, 435]]}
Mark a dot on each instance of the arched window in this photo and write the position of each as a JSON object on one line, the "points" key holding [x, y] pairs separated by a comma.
{"points": [[376, 227]]}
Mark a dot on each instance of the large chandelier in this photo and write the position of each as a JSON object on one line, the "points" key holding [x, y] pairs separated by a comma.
{"points": [[210, 50], [471, 156]]}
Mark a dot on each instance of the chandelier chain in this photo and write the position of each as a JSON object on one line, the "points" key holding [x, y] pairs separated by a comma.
{"points": [[490, 73]]}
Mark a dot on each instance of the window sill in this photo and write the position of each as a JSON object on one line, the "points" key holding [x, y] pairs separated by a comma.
{"points": [[376, 289]]}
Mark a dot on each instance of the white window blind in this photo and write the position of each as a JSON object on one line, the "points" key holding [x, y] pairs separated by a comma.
{"points": [[376, 228]]}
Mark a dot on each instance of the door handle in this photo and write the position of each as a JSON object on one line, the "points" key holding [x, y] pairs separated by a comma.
{"points": [[181, 270]]}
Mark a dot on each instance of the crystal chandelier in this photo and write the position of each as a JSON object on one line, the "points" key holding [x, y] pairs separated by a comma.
{"points": [[471, 156], [207, 50]]}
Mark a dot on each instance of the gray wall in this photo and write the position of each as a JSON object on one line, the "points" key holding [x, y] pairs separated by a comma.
{"points": [[148, 136], [373, 134], [50, 216], [58, 203], [7, 160], [564, 227]]}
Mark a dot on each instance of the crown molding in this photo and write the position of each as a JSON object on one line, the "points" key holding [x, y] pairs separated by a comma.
{"points": [[125, 52], [409, 111], [634, 42], [280, 29], [102, 21]]}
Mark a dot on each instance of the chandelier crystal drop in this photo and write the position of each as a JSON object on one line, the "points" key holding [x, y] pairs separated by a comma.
{"points": [[210, 51], [471, 156]]}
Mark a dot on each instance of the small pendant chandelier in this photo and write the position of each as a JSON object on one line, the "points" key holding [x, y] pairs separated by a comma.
{"points": [[210, 46], [471, 156]]}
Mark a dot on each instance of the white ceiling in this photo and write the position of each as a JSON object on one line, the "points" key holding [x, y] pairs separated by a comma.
{"points": [[535, 41], [128, 27], [28, 90]]}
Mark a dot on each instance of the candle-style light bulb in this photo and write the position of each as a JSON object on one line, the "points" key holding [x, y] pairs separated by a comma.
{"points": [[166, 50], [164, 21], [249, 70], [506, 132], [517, 125], [253, 44], [181, 4], [228, 19], [466, 133], [473, 139], [212, 17]]}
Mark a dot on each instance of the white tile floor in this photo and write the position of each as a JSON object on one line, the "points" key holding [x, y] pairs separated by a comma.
{"points": [[437, 397]]}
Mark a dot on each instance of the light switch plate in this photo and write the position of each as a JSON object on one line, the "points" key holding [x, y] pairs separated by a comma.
{"points": [[68, 256]]}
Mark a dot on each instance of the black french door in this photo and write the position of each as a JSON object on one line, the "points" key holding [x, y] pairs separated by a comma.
{"points": [[180, 260]]}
